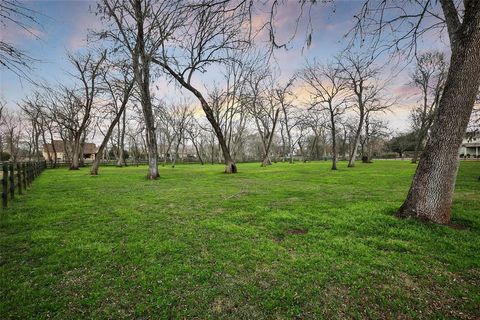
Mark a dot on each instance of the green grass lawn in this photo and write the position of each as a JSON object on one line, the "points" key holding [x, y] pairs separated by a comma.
{"points": [[283, 242]]}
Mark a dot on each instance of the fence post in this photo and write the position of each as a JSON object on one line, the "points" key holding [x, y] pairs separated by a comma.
{"points": [[19, 178], [12, 181], [5, 186]]}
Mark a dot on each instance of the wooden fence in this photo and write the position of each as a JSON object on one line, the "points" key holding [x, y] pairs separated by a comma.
{"points": [[16, 177]]}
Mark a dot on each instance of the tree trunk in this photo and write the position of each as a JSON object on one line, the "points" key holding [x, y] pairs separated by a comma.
{"points": [[334, 142], [122, 137], [175, 154], [75, 155], [121, 141], [81, 160], [266, 158], [198, 153], [141, 67], [53, 149], [49, 156], [356, 141], [431, 192]]}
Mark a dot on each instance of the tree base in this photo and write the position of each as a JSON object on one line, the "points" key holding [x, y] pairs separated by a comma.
{"points": [[406, 212], [230, 168]]}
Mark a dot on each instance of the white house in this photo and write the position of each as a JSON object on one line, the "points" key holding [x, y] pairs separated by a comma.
{"points": [[470, 147]]}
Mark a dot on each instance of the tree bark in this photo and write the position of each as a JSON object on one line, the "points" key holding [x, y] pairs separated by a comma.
{"points": [[431, 193]]}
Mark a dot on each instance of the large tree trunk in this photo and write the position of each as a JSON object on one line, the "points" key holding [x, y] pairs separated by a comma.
{"points": [[430, 196]]}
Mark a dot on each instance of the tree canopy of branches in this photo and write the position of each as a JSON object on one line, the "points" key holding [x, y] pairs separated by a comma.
{"points": [[16, 14]]}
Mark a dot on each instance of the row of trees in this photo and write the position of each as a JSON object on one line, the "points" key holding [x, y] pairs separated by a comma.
{"points": [[265, 120]]}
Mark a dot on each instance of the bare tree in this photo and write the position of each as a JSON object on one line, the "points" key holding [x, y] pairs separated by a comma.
{"points": [[197, 138], [212, 30], [181, 115], [281, 97], [88, 68], [32, 110], [429, 77], [327, 89], [362, 77], [374, 130], [119, 90], [264, 110], [140, 28]]}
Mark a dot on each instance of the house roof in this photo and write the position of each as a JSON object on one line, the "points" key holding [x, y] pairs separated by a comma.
{"points": [[60, 147]]}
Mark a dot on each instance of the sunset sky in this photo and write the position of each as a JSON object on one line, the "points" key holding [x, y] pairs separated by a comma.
{"points": [[63, 27]]}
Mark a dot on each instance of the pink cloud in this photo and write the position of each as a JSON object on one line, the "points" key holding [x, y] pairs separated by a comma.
{"points": [[80, 26]]}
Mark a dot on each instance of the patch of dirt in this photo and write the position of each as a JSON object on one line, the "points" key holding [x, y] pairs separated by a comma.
{"points": [[218, 210]]}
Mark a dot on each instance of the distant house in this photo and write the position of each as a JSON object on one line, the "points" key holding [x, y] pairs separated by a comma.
{"points": [[470, 147], [89, 150]]}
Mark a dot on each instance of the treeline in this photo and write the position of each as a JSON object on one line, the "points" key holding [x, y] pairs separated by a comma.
{"points": [[322, 112]]}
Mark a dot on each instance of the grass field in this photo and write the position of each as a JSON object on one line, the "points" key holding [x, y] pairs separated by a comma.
{"points": [[283, 242]]}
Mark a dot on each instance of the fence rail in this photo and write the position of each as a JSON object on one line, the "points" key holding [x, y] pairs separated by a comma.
{"points": [[16, 177]]}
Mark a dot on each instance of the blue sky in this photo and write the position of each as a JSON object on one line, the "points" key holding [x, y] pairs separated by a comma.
{"points": [[64, 28]]}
